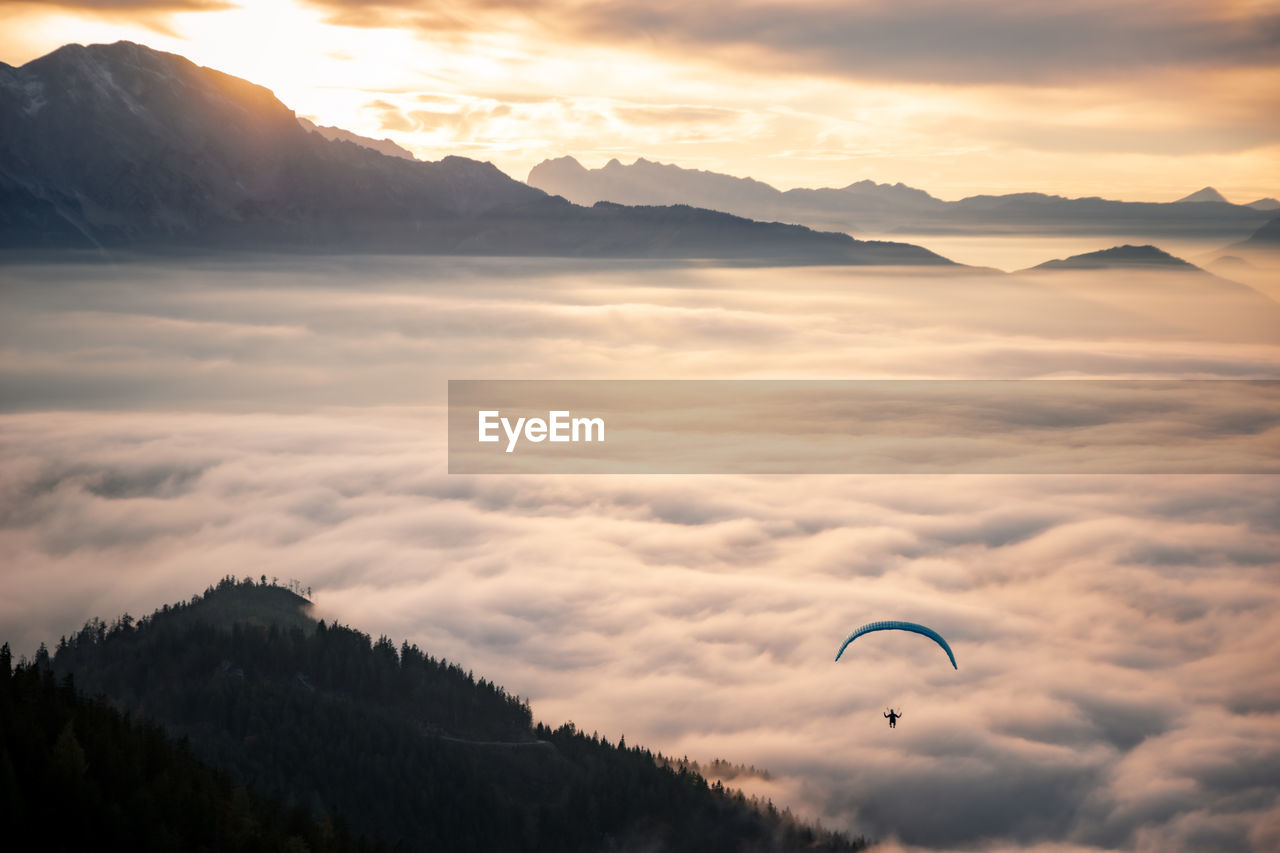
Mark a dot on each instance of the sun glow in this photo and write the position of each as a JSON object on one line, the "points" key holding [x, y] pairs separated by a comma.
{"points": [[515, 87]]}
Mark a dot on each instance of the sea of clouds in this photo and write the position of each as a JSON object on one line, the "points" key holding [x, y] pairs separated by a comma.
{"points": [[166, 424]]}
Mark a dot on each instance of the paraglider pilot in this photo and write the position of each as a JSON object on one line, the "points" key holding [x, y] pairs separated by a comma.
{"points": [[893, 718]]}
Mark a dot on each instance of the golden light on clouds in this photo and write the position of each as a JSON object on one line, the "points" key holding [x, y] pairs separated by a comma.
{"points": [[1128, 100]]}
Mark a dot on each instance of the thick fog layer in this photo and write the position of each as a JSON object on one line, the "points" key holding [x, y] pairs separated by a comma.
{"points": [[1118, 687]]}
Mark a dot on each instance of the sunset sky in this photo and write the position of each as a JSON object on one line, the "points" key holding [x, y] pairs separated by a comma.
{"points": [[1131, 99]]}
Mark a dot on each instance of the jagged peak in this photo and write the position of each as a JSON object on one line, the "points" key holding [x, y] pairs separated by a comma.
{"points": [[557, 166], [116, 51]]}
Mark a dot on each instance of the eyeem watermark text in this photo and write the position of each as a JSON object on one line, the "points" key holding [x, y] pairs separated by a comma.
{"points": [[558, 426]]}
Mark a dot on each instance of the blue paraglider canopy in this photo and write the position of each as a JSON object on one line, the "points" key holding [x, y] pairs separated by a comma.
{"points": [[899, 626]]}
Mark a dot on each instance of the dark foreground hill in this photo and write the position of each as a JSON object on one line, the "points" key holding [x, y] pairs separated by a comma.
{"points": [[1121, 257], [1179, 296], [407, 749], [120, 146], [75, 775]]}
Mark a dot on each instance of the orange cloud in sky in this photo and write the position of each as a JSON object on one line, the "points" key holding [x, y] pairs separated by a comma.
{"points": [[1132, 100]]}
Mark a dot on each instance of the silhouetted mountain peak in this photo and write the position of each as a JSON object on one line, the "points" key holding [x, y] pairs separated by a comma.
{"points": [[1205, 194], [566, 162], [1120, 257], [124, 145], [1265, 204], [142, 79], [899, 192], [264, 603]]}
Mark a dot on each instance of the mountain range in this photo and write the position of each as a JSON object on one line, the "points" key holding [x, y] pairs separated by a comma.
{"points": [[396, 746], [123, 147], [870, 207]]}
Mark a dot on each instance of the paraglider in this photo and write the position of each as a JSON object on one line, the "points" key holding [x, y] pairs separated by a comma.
{"points": [[899, 626], [893, 625]]}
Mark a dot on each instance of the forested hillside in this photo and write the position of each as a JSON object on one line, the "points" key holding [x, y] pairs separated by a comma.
{"points": [[408, 749], [77, 775]]}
